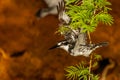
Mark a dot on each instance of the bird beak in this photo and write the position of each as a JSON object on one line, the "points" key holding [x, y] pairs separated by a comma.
{"points": [[53, 47]]}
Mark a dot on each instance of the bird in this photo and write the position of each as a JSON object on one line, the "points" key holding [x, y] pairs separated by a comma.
{"points": [[80, 47]]}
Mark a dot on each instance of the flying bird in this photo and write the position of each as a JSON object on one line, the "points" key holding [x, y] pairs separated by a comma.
{"points": [[80, 46]]}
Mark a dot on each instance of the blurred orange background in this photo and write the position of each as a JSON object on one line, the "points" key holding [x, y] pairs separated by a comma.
{"points": [[20, 30]]}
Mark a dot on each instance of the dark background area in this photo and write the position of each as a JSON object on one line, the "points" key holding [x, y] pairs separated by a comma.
{"points": [[22, 33]]}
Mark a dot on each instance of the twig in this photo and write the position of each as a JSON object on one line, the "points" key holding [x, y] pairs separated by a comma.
{"points": [[91, 56], [89, 37], [90, 65]]}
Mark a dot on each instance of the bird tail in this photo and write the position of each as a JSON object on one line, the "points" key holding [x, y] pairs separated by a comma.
{"points": [[102, 44], [99, 45]]}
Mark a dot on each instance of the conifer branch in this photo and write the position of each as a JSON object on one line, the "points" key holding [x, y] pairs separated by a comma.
{"points": [[86, 14]]}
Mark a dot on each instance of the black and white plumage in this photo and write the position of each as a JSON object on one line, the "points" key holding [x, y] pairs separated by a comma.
{"points": [[62, 16], [51, 9], [75, 41], [79, 47], [70, 35], [54, 7], [83, 48], [63, 45]]}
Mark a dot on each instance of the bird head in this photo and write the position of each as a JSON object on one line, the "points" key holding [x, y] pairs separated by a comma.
{"points": [[63, 45]]}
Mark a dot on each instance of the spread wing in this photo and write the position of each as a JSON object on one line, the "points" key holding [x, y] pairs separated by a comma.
{"points": [[76, 38], [64, 19], [62, 16]]}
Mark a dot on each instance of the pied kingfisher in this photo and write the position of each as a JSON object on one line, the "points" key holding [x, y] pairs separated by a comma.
{"points": [[79, 47]]}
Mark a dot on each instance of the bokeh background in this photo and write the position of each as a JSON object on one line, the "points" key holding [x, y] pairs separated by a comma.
{"points": [[22, 33]]}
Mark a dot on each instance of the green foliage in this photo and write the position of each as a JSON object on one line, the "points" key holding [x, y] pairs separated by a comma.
{"points": [[79, 72], [63, 29], [87, 14], [96, 59]]}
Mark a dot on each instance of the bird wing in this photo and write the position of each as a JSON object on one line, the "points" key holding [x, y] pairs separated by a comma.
{"points": [[62, 16], [80, 42], [82, 38]]}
